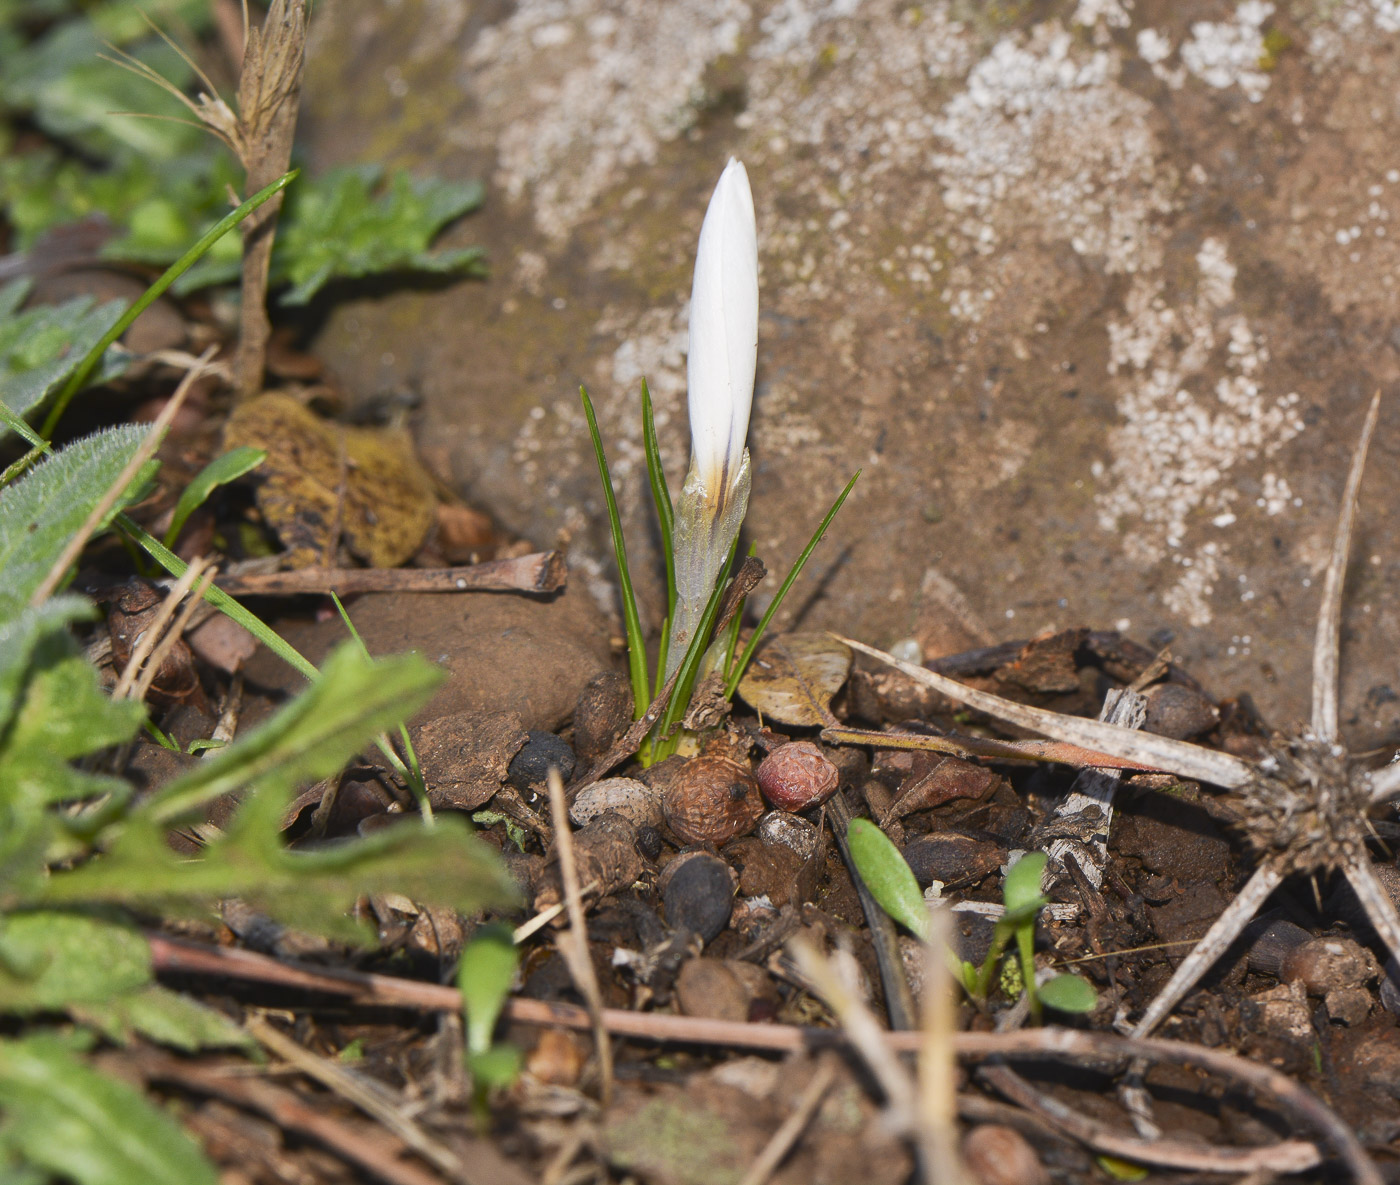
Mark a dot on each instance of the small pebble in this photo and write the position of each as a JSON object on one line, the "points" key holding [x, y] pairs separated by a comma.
{"points": [[603, 714], [1175, 710], [1000, 1155], [529, 767]]}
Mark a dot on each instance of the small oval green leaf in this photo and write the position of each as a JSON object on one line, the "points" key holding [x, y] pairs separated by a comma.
{"points": [[1022, 889], [484, 979], [1068, 993], [888, 877]]}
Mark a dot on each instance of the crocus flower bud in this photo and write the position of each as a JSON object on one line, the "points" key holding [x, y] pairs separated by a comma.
{"points": [[722, 359]]}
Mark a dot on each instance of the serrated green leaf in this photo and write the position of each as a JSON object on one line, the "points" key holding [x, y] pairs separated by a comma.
{"points": [[1068, 993], [1021, 892], [220, 471], [887, 875], [64, 715], [165, 1017], [484, 977], [344, 225], [20, 635], [311, 738], [50, 959], [41, 511], [62, 1116], [40, 346]]}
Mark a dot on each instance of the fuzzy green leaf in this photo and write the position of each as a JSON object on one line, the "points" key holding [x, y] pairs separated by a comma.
{"points": [[887, 875], [355, 700], [50, 959], [220, 471], [20, 636], [41, 511], [40, 346], [484, 977], [345, 225], [163, 1016], [1068, 993], [62, 1116]]}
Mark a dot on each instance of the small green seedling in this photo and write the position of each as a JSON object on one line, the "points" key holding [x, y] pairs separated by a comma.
{"points": [[484, 977], [220, 471], [892, 883]]}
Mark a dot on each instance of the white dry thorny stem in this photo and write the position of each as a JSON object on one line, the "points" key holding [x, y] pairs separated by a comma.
{"points": [[1303, 807]]}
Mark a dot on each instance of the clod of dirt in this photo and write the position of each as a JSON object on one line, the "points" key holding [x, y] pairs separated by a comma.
{"points": [[542, 752], [222, 642], [465, 756], [633, 800], [1348, 1006], [697, 894], [605, 853], [1324, 965], [1175, 710], [1189, 914], [952, 858], [724, 989], [322, 481], [1282, 1013], [1000, 1155], [783, 862], [712, 800], [796, 776], [1046, 666], [502, 653], [793, 678], [603, 714], [1171, 836]]}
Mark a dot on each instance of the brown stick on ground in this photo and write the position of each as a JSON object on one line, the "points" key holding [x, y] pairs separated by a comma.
{"points": [[539, 572], [174, 956]]}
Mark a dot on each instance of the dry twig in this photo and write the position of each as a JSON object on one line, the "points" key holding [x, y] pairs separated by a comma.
{"points": [[540, 572], [573, 942], [793, 1126]]}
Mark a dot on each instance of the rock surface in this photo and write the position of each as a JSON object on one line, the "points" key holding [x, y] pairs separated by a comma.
{"points": [[502, 653], [1094, 292]]}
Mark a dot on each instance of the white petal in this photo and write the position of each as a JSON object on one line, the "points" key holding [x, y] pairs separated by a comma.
{"points": [[723, 329]]}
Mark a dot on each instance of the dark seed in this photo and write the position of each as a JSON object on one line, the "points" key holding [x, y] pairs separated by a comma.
{"points": [[1175, 710], [697, 894], [529, 768]]}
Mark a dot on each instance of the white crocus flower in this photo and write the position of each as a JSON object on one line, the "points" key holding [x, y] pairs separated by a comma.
{"points": [[722, 358]]}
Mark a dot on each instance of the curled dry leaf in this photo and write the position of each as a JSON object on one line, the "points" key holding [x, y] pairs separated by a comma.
{"points": [[323, 481], [793, 677]]}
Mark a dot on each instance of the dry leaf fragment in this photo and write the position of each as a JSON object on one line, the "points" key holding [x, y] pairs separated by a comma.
{"points": [[322, 480], [793, 678]]}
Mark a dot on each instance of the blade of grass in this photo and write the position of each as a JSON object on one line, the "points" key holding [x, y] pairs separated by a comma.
{"points": [[636, 644], [661, 495], [146, 299], [793, 573], [38, 445], [216, 596], [220, 471]]}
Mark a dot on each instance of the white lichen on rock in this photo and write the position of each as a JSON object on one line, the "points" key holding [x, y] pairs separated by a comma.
{"points": [[1229, 53], [594, 89], [1174, 451]]}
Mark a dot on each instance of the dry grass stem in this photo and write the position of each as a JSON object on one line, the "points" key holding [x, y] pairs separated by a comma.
{"points": [[370, 1097], [1223, 931], [938, 1094], [793, 1126], [1142, 749], [171, 638], [144, 453], [573, 943], [156, 629], [1327, 648]]}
